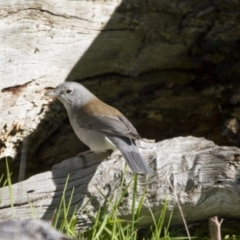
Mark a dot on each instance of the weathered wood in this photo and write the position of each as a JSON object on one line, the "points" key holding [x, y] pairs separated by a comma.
{"points": [[41, 41], [29, 230], [171, 60], [202, 177]]}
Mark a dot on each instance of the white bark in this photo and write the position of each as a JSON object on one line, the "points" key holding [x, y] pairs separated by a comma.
{"points": [[196, 174], [41, 41]]}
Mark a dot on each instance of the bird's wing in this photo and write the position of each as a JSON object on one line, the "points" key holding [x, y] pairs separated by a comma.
{"points": [[114, 125]]}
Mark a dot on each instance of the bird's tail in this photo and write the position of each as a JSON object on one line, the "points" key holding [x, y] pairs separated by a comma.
{"points": [[132, 155]]}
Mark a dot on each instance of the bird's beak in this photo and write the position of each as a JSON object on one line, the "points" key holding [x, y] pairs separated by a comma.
{"points": [[51, 93]]}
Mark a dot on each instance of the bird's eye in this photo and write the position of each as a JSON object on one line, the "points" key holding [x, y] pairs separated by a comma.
{"points": [[69, 91]]}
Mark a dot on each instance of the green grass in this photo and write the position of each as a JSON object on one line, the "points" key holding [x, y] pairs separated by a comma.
{"points": [[67, 223], [109, 226]]}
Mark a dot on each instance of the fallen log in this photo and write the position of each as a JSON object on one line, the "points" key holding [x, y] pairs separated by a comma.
{"points": [[193, 173]]}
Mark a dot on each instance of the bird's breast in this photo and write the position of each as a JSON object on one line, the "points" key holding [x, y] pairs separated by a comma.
{"points": [[96, 141]]}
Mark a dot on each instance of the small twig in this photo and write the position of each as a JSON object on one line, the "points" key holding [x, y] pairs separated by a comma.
{"points": [[215, 227], [23, 159], [53, 217], [181, 212]]}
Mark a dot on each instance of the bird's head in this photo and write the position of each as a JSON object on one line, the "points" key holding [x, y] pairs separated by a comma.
{"points": [[71, 94]]}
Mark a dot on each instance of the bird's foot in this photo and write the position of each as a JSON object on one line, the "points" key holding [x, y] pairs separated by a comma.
{"points": [[82, 155], [109, 152]]}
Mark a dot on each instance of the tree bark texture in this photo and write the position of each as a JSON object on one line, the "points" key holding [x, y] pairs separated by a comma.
{"points": [[171, 67], [191, 172]]}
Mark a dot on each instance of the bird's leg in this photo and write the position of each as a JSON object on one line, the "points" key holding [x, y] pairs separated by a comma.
{"points": [[82, 155], [110, 152]]}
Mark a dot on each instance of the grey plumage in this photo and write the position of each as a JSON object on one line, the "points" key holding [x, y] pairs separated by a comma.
{"points": [[100, 126], [129, 150]]}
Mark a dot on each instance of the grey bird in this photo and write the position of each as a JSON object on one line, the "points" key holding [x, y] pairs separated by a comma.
{"points": [[100, 126]]}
